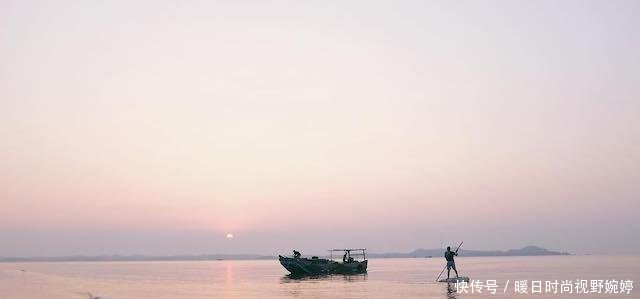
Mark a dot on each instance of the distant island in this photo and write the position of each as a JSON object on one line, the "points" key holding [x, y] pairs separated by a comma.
{"points": [[418, 253], [525, 251]]}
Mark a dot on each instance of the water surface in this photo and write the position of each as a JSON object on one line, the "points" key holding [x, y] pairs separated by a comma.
{"points": [[386, 278]]}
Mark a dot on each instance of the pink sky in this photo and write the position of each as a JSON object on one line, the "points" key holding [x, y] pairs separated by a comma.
{"points": [[158, 128]]}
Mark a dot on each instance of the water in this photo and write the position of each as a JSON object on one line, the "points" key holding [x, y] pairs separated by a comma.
{"points": [[387, 278]]}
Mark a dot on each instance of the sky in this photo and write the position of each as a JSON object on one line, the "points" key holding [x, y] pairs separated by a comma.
{"points": [[159, 127]]}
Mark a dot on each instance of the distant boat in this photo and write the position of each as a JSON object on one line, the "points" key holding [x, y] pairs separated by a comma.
{"points": [[428, 256], [353, 262]]}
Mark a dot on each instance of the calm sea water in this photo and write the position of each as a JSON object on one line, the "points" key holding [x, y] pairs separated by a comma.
{"points": [[387, 278]]}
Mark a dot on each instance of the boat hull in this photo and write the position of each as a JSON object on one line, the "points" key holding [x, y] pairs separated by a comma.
{"points": [[304, 266]]}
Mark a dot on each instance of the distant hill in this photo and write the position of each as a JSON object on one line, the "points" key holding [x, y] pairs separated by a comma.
{"points": [[525, 251], [115, 258], [418, 253]]}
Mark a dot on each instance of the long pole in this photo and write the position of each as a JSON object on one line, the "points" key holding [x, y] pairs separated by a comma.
{"points": [[445, 267]]}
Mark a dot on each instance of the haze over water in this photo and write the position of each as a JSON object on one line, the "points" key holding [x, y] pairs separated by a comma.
{"points": [[159, 127]]}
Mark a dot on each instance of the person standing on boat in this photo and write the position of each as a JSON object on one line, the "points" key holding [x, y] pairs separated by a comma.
{"points": [[448, 255]]}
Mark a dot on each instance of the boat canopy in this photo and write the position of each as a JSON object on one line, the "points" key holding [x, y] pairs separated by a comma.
{"points": [[351, 252]]}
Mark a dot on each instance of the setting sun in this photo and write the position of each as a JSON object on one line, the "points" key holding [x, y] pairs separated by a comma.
{"points": [[229, 236]]}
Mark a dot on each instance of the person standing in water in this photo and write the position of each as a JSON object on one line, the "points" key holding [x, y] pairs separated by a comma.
{"points": [[448, 255]]}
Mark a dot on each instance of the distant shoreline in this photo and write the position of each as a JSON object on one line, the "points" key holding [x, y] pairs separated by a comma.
{"points": [[418, 253]]}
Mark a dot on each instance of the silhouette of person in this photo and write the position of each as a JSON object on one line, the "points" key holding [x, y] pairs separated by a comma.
{"points": [[344, 257], [296, 254], [448, 255]]}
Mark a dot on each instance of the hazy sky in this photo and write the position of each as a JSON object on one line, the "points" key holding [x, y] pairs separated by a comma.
{"points": [[157, 127]]}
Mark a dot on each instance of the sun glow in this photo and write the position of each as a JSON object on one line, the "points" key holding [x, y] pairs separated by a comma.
{"points": [[229, 236]]}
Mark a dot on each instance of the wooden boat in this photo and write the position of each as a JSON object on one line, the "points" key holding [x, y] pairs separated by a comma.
{"points": [[353, 262]]}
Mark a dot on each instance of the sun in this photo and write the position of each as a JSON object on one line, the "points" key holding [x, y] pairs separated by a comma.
{"points": [[229, 236]]}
